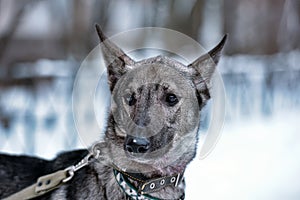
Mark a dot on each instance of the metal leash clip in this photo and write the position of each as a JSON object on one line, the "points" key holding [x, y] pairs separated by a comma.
{"points": [[95, 154]]}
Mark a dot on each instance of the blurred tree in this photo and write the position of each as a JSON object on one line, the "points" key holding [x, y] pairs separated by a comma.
{"points": [[254, 25], [289, 29], [16, 11]]}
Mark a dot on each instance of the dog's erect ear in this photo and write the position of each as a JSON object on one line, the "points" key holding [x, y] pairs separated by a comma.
{"points": [[117, 62], [205, 67], [206, 64]]}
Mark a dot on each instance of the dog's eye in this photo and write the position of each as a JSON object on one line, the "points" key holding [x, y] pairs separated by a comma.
{"points": [[130, 99], [171, 99]]}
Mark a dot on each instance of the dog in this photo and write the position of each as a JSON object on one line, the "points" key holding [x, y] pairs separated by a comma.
{"points": [[150, 138]]}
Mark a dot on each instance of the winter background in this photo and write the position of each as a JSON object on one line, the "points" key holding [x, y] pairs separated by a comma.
{"points": [[42, 44]]}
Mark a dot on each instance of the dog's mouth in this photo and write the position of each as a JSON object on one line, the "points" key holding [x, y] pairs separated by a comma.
{"points": [[147, 158]]}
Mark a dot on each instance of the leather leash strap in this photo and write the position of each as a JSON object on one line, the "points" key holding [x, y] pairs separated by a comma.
{"points": [[43, 185], [52, 181]]}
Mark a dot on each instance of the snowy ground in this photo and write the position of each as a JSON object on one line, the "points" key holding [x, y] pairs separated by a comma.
{"points": [[254, 159]]}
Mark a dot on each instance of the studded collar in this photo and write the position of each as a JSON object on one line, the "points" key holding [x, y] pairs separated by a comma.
{"points": [[145, 185]]}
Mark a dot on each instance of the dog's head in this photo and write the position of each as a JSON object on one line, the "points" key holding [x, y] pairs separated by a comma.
{"points": [[155, 107]]}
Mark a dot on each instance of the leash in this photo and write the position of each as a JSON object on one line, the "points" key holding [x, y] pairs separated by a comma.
{"points": [[53, 181]]}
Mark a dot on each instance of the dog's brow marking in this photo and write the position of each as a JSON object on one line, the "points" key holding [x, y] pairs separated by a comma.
{"points": [[165, 86]]}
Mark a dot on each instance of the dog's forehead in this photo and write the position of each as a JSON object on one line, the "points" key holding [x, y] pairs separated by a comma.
{"points": [[166, 61], [156, 73]]}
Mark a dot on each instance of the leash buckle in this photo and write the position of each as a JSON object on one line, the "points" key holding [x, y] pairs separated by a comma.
{"points": [[70, 173], [84, 162]]}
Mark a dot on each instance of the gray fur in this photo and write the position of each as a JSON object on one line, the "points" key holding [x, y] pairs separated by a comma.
{"points": [[141, 108]]}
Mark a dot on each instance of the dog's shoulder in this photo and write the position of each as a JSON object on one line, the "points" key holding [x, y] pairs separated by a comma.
{"points": [[66, 159], [19, 171]]}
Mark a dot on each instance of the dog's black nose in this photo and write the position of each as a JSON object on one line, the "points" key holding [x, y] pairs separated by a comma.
{"points": [[136, 145]]}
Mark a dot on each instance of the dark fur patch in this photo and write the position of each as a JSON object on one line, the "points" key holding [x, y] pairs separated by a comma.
{"points": [[18, 172]]}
